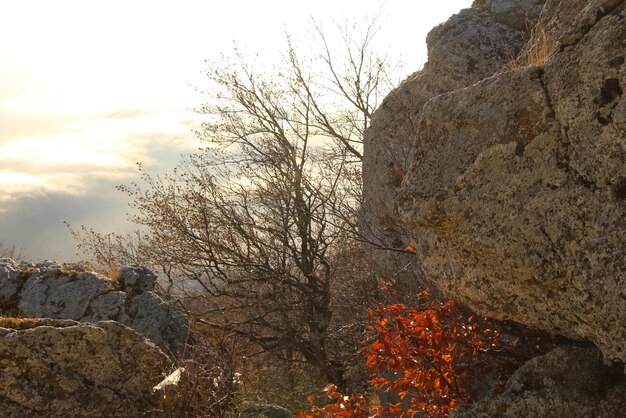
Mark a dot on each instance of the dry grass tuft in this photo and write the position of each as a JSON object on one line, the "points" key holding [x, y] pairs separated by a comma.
{"points": [[19, 323], [25, 275], [110, 272], [113, 274], [537, 51], [68, 272]]}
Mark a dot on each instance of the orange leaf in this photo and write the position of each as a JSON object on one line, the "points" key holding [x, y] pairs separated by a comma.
{"points": [[330, 388]]}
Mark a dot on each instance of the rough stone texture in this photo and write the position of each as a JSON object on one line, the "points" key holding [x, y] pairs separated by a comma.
{"points": [[515, 189], [9, 279], [51, 290], [51, 293], [64, 368], [567, 382], [135, 280], [469, 47], [568, 21], [157, 320], [519, 14]]}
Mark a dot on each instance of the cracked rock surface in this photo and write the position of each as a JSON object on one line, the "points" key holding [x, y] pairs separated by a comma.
{"points": [[62, 368], [50, 290], [513, 190], [470, 46]]}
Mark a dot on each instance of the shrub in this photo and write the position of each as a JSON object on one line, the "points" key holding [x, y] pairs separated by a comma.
{"points": [[427, 361], [206, 387]]}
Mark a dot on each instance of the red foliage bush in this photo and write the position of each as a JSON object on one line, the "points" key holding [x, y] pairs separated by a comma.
{"points": [[430, 359], [354, 406]]}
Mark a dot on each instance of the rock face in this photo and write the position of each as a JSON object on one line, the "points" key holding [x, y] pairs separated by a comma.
{"points": [[61, 368], [49, 290], [512, 188], [469, 47], [567, 382]]}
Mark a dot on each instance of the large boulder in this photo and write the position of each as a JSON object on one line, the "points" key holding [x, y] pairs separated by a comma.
{"points": [[514, 193], [52, 290], [469, 47], [518, 14], [61, 368], [514, 198]]}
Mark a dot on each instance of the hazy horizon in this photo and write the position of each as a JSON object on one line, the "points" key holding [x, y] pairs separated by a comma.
{"points": [[88, 89]]}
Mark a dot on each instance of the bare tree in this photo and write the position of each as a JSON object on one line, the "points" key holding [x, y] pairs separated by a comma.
{"points": [[257, 223], [10, 251]]}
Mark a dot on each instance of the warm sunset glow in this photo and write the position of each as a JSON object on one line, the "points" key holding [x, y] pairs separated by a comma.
{"points": [[8, 178], [88, 89]]}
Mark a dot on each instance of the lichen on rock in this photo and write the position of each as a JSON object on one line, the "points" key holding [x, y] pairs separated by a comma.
{"points": [[62, 368], [513, 189], [50, 290]]}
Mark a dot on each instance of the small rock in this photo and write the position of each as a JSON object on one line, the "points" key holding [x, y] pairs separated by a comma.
{"points": [[135, 280]]}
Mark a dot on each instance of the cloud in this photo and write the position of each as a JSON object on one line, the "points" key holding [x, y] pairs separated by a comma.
{"points": [[69, 171], [127, 114], [105, 146], [34, 221]]}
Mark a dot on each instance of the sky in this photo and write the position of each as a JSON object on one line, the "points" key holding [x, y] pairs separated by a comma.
{"points": [[90, 88]]}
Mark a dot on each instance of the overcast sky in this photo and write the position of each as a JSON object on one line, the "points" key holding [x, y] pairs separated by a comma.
{"points": [[90, 88]]}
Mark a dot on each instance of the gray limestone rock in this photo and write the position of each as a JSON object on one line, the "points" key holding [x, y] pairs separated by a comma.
{"points": [[61, 368], [135, 280], [159, 321], [512, 190], [107, 305], [515, 195], [519, 14], [567, 382], [9, 280], [55, 294], [469, 47], [50, 290]]}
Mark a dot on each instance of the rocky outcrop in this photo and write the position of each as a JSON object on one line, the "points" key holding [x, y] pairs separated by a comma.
{"points": [[513, 189], [567, 382], [61, 368], [469, 47], [51, 290]]}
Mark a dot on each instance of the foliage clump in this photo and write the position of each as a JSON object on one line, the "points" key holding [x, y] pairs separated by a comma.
{"points": [[426, 361]]}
